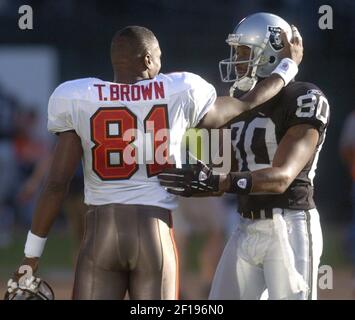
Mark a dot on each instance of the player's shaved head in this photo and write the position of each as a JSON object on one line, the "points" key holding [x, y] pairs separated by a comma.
{"points": [[131, 41], [135, 49]]}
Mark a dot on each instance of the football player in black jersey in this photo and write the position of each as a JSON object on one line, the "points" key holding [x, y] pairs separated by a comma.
{"points": [[278, 244]]}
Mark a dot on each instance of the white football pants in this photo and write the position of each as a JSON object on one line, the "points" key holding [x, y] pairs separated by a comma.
{"points": [[253, 259]]}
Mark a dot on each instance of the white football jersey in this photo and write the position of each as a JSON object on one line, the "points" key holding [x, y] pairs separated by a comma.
{"points": [[117, 124]]}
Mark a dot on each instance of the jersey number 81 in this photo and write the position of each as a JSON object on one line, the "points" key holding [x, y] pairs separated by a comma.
{"points": [[108, 126]]}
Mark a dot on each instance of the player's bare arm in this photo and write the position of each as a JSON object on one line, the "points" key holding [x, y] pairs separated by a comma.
{"points": [[294, 151], [34, 181], [226, 108], [66, 157]]}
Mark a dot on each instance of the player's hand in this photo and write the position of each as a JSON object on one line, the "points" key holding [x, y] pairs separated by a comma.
{"points": [[28, 267], [190, 180], [24, 285], [23, 277], [292, 49]]}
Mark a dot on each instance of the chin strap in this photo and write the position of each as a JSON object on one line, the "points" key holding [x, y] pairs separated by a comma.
{"points": [[246, 84], [286, 69]]}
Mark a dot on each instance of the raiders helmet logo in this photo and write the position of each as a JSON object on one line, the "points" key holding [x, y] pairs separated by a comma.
{"points": [[242, 183], [275, 38], [202, 176]]}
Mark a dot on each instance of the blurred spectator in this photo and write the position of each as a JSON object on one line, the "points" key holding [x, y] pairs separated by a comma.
{"points": [[8, 169], [199, 220], [30, 149], [347, 151], [73, 205]]}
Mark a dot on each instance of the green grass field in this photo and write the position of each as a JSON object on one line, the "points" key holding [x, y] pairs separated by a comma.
{"points": [[58, 253], [57, 261], [59, 250]]}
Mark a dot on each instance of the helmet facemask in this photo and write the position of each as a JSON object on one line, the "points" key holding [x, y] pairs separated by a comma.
{"points": [[261, 32], [244, 80]]}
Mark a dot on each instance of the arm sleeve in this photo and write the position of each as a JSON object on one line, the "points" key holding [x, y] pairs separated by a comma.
{"points": [[59, 113], [307, 105], [201, 96]]}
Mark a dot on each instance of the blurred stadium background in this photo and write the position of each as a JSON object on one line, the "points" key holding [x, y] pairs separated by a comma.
{"points": [[71, 39]]}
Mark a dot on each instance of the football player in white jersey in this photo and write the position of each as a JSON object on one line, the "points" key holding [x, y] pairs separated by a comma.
{"points": [[128, 244]]}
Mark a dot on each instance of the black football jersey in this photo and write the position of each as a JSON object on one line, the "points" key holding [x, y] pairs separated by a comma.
{"points": [[257, 133]]}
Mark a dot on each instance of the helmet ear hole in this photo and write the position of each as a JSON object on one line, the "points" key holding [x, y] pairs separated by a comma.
{"points": [[272, 59]]}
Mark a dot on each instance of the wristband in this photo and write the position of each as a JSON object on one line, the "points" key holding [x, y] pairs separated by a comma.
{"points": [[34, 245], [287, 70], [240, 182]]}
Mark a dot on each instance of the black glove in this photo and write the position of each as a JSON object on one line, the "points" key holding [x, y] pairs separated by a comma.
{"points": [[190, 180]]}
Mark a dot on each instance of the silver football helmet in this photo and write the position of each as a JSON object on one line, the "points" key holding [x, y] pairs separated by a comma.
{"points": [[261, 33], [31, 289]]}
